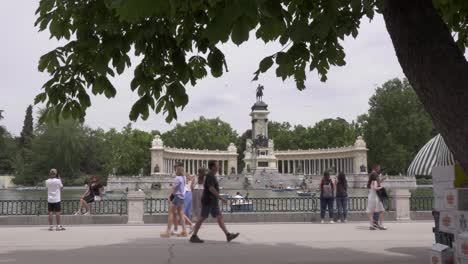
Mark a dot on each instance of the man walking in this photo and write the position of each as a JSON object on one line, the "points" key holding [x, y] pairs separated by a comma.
{"points": [[54, 186], [210, 204]]}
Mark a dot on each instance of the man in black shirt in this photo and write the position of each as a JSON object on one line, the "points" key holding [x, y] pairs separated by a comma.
{"points": [[210, 204]]}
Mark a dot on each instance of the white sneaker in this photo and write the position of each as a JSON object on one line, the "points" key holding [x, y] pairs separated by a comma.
{"points": [[87, 213], [51, 228], [339, 220], [332, 222], [345, 221], [77, 213], [322, 222]]}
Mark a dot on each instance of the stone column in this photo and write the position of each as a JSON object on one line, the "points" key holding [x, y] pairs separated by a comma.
{"points": [[135, 205], [401, 199], [346, 165]]}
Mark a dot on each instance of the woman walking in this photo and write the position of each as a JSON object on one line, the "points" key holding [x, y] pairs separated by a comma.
{"points": [[197, 193], [327, 191], [94, 192], [342, 198], [176, 206], [374, 204]]}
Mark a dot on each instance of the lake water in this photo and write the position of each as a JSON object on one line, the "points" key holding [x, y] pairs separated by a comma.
{"points": [[76, 193]]}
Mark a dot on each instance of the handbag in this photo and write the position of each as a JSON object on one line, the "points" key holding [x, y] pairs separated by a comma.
{"points": [[382, 194]]}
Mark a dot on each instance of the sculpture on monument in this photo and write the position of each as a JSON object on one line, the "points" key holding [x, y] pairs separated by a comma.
{"points": [[363, 168], [260, 92], [156, 168], [261, 142]]}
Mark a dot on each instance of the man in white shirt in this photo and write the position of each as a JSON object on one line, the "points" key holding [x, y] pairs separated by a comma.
{"points": [[54, 186]]}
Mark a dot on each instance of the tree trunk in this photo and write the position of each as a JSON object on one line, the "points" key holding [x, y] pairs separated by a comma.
{"points": [[434, 66]]}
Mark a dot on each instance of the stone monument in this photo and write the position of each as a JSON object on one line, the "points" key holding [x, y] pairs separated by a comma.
{"points": [[260, 153]]}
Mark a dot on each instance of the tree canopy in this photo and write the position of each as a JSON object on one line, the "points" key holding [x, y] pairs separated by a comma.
{"points": [[179, 42], [7, 150], [201, 134], [395, 127], [324, 134]]}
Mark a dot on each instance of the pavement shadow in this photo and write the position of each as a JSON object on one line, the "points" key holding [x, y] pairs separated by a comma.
{"points": [[174, 251], [409, 251]]}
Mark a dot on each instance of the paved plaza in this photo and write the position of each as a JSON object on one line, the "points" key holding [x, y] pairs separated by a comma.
{"points": [[258, 243]]}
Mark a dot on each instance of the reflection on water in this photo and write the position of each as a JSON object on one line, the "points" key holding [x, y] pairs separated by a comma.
{"points": [[75, 194]]}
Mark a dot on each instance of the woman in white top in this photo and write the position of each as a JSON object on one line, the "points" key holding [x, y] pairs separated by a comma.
{"points": [[374, 203], [197, 191]]}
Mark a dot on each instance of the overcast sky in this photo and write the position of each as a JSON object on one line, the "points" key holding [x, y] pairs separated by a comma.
{"points": [[370, 61]]}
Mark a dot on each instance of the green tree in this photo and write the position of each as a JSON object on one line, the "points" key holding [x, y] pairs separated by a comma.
{"points": [[7, 150], [129, 151], [326, 133], [55, 145], [282, 135], [95, 156], [396, 126], [24, 154], [179, 41], [333, 133], [203, 133], [27, 132], [241, 146]]}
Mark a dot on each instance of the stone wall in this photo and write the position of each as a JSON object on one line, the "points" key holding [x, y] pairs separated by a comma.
{"points": [[236, 181], [138, 182]]}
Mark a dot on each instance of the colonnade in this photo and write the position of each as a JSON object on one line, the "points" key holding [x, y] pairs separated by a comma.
{"points": [[192, 165], [315, 166]]}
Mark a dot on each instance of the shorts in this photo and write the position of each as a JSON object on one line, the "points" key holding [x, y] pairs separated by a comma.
{"points": [[210, 209], [177, 201], [54, 207], [89, 199]]}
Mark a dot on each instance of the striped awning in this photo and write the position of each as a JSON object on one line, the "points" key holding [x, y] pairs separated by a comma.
{"points": [[434, 153]]}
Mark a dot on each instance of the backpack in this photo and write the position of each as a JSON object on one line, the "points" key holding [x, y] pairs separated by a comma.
{"points": [[327, 190]]}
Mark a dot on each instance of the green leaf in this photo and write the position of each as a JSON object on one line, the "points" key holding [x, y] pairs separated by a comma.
{"points": [[240, 31], [100, 64], [266, 63], [40, 98], [99, 85], [216, 61], [56, 28], [84, 99]]}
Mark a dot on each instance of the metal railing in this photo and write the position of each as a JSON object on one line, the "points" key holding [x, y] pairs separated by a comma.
{"points": [[267, 205], [161, 205], [421, 203], [69, 207]]}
